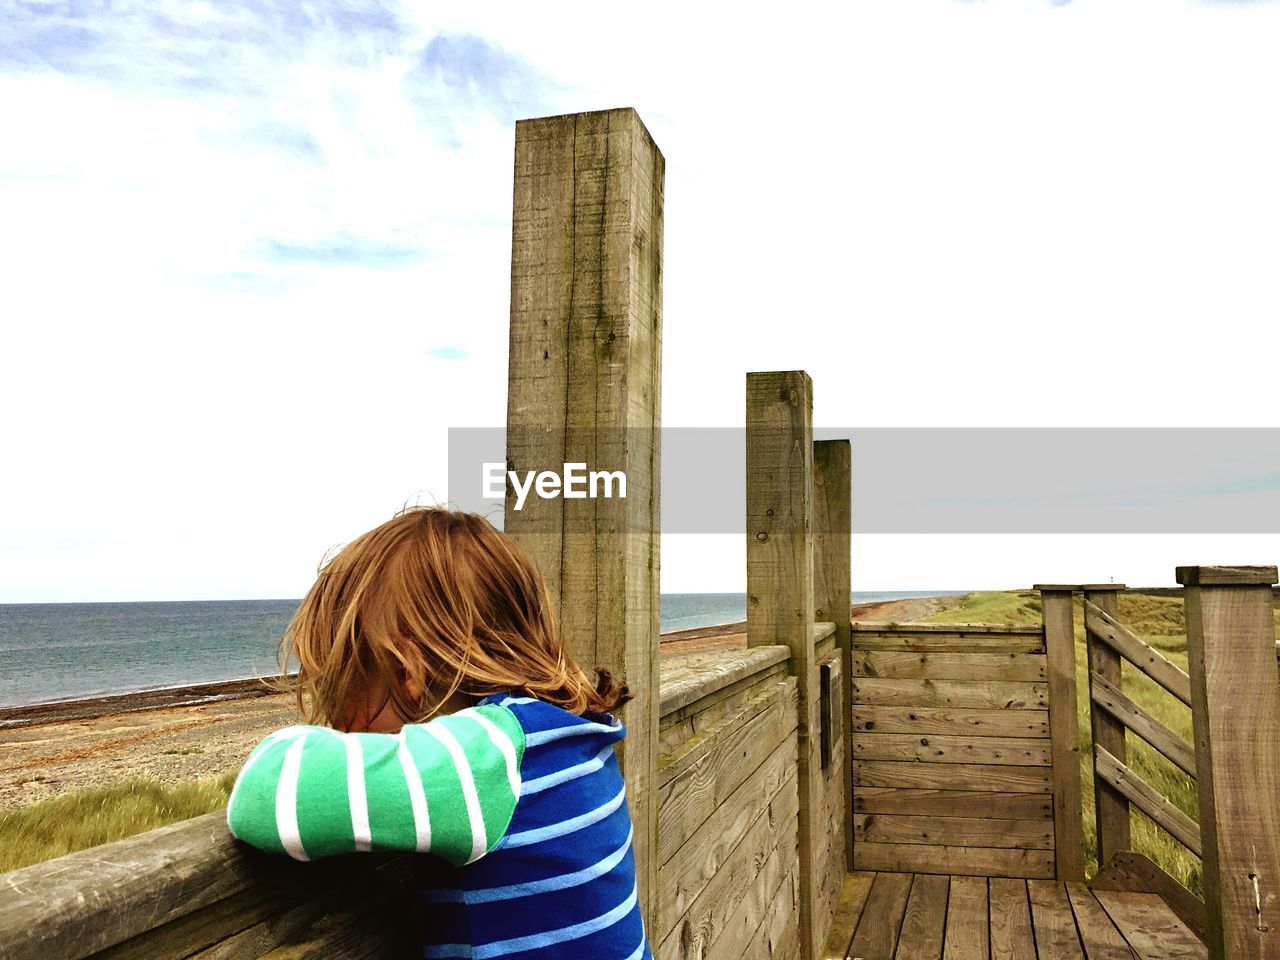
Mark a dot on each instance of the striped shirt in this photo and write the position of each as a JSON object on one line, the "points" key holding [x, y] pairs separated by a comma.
{"points": [[520, 802]]}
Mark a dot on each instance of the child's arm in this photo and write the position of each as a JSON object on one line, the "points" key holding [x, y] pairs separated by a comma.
{"points": [[448, 786]]}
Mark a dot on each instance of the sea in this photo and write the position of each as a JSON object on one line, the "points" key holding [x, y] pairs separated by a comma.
{"points": [[66, 651]]}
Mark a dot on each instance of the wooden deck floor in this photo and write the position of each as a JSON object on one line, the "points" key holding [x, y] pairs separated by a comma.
{"points": [[903, 916]]}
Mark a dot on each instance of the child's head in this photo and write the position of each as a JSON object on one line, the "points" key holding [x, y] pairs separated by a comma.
{"points": [[431, 606]]}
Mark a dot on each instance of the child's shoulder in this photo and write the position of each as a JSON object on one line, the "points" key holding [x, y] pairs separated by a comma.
{"points": [[544, 722]]}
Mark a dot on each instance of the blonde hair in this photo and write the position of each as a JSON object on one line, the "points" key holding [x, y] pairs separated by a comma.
{"points": [[429, 604]]}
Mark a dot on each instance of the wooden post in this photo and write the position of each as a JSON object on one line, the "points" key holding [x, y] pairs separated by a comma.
{"points": [[1111, 807], [1064, 731], [780, 581], [1235, 712], [585, 386], [832, 583]]}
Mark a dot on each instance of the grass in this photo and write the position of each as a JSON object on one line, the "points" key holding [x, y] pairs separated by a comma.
{"points": [[86, 818], [1158, 620]]}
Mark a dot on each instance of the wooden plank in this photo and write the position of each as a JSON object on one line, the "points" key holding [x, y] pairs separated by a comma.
{"points": [[854, 890], [693, 795], [1101, 939], [1012, 937], [704, 717], [1235, 714], [977, 629], [1134, 872], [951, 722], [949, 644], [1150, 927], [975, 776], [1149, 800], [779, 524], [832, 582], [1054, 923], [1001, 695], [822, 631], [585, 385], [778, 934], [1064, 727], [1111, 699], [688, 684], [1102, 624], [931, 665], [953, 831], [975, 861], [968, 923], [767, 795], [953, 803], [924, 922], [1111, 807], [877, 932], [1012, 751]]}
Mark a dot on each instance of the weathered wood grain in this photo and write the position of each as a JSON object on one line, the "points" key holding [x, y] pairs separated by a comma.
{"points": [[854, 890], [585, 385], [1013, 751], [975, 776], [1135, 873], [1236, 718], [1064, 726], [1053, 920], [1150, 927], [1101, 939], [1148, 799], [999, 695], [1012, 936], [953, 803], [1101, 623], [1110, 698], [954, 831], [968, 923], [950, 721], [931, 665], [877, 933], [688, 685], [1111, 807], [970, 861], [779, 523], [924, 921]]}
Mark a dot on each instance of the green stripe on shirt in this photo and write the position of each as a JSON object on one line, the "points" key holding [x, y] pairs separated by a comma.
{"points": [[448, 786]]}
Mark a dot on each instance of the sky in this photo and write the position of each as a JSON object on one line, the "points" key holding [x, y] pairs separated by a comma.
{"points": [[256, 256]]}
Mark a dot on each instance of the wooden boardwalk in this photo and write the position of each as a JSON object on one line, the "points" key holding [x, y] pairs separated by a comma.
{"points": [[904, 916]]}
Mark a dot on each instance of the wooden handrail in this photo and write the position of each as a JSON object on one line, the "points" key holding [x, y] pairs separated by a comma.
{"points": [[1137, 651], [1148, 799], [1171, 746]]}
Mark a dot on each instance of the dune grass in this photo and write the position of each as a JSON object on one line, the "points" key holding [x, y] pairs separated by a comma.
{"points": [[1159, 621], [86, 818]]}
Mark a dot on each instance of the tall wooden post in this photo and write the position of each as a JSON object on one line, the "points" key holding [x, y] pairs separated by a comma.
{"points": [[585, 387], [780, 581], [1110, 805], [1064, 730], [832, 583], [1235, 712]]}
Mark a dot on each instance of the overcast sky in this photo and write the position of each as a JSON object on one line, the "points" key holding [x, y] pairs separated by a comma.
{"points": [[254, 261]]}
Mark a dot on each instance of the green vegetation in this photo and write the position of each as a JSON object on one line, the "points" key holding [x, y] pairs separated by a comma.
{"points": [[1158, 620], [86, 818]]}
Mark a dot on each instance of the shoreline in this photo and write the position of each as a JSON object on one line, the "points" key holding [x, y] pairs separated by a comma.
{"points": [[179, 734]]}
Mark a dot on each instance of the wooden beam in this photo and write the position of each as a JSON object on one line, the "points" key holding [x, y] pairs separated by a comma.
{"points": [[1064, 733], [1100, 622], [1110, 805], [1236, 717], [780, 605], [832, 582], [1135, 872], [1149, 800], [1171, 746], [585, 386]]}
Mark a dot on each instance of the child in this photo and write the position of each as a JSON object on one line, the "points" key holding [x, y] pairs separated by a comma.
{"points": [[464, 731]]}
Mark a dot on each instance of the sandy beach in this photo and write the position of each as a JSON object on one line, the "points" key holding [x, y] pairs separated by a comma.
{"points": [[181, 743]]}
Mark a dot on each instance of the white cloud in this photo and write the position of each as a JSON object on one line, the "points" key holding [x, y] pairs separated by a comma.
{"points": [[949, 213]]}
